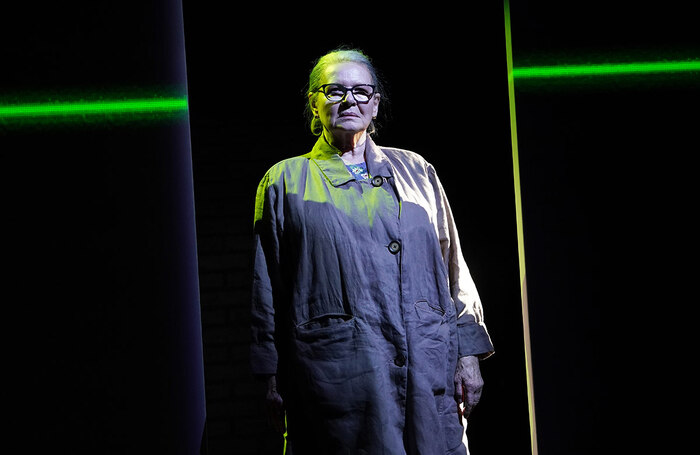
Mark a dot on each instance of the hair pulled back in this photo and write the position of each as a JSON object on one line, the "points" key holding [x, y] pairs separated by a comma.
{"points": [[340, 55]]}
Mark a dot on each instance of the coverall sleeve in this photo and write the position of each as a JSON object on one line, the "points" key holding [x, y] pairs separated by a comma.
{"points": [[473, 338], [265, 279]]}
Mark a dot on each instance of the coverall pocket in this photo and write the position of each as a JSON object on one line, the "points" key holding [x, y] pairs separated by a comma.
{"points": [[427, 311], [333, 348], [336, 366]]}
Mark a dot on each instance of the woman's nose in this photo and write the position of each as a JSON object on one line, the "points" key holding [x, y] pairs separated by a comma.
{"points": [[347, 100]]}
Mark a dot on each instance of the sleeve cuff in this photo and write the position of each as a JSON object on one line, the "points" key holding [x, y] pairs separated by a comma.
{"points": [[263, 359], [474, 340]]}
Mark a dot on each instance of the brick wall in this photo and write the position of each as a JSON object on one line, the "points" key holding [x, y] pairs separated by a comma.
{"points": [[225, 183]]}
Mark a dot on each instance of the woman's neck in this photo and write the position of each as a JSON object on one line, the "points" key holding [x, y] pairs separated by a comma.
{"points": [[351, 146]]}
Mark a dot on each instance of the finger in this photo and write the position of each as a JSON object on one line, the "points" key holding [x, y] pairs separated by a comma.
{"points": [[279, 423], [276, 418], [275, 412], [471, 401], [467, 411], [459, 392], [473, 397], [468, 408]]}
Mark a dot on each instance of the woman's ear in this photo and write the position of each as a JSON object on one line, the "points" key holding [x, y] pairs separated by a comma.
{"points": [[312, 104], [375, 100]]}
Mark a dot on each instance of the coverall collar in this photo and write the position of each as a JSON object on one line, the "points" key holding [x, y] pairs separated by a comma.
{"points": [[327, 158]]}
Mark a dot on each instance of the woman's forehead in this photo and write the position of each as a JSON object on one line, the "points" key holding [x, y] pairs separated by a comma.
{"points": [[347, 73]]}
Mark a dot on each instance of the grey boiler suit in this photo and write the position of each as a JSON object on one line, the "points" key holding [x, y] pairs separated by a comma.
{"points": [[362, 303]]}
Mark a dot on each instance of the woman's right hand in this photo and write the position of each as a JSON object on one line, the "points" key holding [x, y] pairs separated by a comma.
{"points": [[275, 405]]}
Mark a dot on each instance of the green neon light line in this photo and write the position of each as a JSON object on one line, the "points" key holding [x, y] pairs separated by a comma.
{"points": [[88, 108], [519, 231], [605, 69]]}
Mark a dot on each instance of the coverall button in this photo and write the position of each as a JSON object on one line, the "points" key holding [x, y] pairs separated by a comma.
{"points": [[377, 181], [394, 247], [400, 360]]}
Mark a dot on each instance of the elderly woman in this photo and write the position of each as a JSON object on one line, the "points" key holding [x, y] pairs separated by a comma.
{"points": [[365, 320]]}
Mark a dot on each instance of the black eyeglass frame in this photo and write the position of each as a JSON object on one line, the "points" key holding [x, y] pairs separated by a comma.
{"points": [[346, 90]]}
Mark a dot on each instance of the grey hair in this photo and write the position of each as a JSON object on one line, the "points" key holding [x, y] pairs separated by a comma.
{"points": [[340, 55]]}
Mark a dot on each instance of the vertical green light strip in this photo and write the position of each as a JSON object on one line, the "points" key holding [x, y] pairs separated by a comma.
{"points": [[519, 226]]}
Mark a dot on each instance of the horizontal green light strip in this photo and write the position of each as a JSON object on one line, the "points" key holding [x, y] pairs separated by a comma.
{"points": [[607, 69], [83, 108]]}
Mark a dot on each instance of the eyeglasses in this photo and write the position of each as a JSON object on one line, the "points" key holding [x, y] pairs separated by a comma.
{"points": [[337, 92]]}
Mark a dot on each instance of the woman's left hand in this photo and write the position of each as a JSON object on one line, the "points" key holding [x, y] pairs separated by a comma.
{"points": [[468, 384]]}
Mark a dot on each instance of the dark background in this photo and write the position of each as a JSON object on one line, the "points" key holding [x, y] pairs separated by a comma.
{"points": [[105, 350], [102, 345], [608, 205]]}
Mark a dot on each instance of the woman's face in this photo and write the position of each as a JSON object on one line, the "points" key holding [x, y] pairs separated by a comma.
{"points": [[346, 116]]}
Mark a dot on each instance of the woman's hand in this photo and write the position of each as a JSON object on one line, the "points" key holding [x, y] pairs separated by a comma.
{"points": [[275, 405], [468, 384]]}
